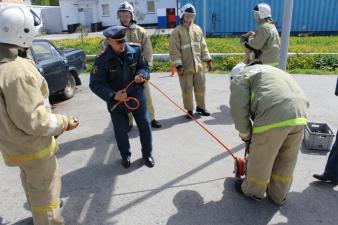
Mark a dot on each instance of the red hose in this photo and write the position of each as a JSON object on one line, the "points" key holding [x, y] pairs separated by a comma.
{"points": [[128, 99], [196, 121]]}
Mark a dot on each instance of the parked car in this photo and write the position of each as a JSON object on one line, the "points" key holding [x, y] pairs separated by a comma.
{"points": [[61, 69]]}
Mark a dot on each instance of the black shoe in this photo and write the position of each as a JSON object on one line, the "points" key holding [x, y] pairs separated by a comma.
{"points": [[125, 162], [155, 124], [204, 112], [189, 113], [149, 161], [61, 203], [130, 127], [238, 186], [322, 177]]}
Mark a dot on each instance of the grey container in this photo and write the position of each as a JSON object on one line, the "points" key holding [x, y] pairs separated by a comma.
{"points": [[318, 136]]}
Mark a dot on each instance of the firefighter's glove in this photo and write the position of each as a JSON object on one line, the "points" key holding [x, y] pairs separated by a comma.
{"points": [[246, 137], [245, 37], [180, 70], [139, 79], [209, 65], [73, 123]]}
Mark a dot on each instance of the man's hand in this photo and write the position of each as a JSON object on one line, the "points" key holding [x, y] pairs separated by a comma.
{"points": [[120, 96], [180, 71], [139, 79], [209, 65], [73, 123]]}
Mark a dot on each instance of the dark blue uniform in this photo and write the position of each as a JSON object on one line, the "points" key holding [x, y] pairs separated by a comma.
{"points": [[111, 73]]}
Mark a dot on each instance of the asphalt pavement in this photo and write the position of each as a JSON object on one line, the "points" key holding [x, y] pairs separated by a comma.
{"points": [[192, 181]]}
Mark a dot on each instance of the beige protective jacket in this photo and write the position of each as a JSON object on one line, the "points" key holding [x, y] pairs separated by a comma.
{"points": [[137, 35], [267, 96], [26, 123], [267, 41], [188, 48]]}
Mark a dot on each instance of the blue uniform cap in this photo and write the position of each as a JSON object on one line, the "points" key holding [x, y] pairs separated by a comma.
{"points": [[115, 32]]}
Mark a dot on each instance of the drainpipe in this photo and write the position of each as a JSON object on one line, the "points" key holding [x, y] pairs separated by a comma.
{"points": [[205, 17]]}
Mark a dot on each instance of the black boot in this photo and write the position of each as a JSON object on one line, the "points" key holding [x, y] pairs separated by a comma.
{"points": [[125, 162], [189, 113], [324, 178], [204, 112], [155, 124], [149, 161]]}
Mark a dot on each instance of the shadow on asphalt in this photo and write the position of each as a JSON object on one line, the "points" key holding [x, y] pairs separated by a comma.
{"points": [[234, 208], [222, 117]]}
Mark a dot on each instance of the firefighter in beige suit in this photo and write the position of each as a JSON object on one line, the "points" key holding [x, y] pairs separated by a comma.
{"points": [[270, 110], [27, 124], [188, 51], [265, 41], [137, 36]]}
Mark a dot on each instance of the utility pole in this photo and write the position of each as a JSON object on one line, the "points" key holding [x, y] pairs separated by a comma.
{"points": [[205, 17], [286, 28]]}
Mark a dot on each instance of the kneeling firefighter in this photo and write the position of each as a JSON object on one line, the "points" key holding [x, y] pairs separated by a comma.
{"points": [[270, 111], [27, 124]]}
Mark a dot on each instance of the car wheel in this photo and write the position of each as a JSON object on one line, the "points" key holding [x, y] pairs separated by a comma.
{"points": [[69, 90]]}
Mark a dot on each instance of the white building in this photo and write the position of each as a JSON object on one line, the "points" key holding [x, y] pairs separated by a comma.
{"points": [[102, 13]]}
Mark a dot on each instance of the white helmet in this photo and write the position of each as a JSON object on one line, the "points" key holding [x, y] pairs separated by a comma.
{"points": [[236, 70], [18, 25], [263, 10], [187, 8], [126, 6]]}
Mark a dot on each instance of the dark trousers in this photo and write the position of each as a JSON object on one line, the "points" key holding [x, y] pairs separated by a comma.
{"points": [[331, 168], [119, 118]]}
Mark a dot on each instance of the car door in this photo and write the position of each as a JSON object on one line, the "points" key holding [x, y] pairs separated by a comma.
{"points": [[51, 64]]}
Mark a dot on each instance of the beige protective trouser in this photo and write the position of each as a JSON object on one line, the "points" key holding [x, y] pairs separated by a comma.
{"points": [[271, 162], [190, 82], [150, 106], [42, 184]]}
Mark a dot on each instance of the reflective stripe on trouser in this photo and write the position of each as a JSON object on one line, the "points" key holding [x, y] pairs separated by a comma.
{"points": [[42, 184], [150, 106], [271, 162], [190, 82]]}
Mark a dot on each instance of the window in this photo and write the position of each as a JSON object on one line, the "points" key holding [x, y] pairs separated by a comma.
{"points": [[151, 6], [105, 10], [55, 52], [42, 51]]}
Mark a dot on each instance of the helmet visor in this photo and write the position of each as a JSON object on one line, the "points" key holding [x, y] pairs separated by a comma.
{"points": [[37, 20]]}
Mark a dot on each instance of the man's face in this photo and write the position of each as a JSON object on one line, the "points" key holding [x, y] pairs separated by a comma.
{"points": [[188, 18], [118, 46], [125, 18]]}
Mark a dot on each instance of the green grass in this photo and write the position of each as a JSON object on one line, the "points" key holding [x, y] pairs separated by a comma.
{"points": [[325, 64]]}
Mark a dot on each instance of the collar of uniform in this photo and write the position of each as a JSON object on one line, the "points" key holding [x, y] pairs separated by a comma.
{"points": [[7, 53], [130, 49], [133, 26]]}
